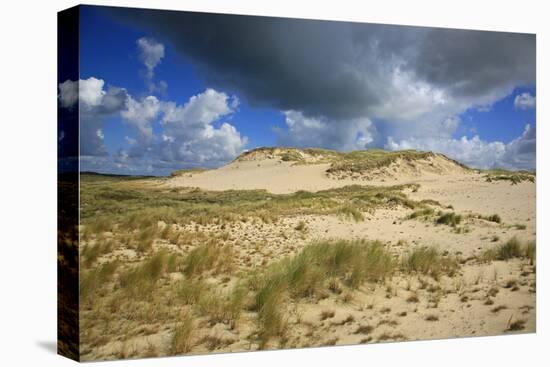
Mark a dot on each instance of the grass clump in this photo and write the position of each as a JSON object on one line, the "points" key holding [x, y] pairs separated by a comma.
{"points": [[513, 248], [350, 212], [429, 261], [189, 292], [183, 335], [450, 219], [310, 271], [139, 281], [208, 257], [492, 218], [301, 226], [422, 213], [510, 249], [224, 308], [91, 253]]}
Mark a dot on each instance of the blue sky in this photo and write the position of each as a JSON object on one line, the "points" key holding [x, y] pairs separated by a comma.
{"points": [[198, 89]]}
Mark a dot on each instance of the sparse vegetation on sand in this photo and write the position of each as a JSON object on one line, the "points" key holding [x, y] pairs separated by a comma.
{"points": [[429, 261], [129, 205], [359, 161], [513, 248], [168, 270], [189, 171], [365, 160], [515, 177], [309, 273]]}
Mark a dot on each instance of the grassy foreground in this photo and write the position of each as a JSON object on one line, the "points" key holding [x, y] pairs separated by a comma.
{"points": [[156, 281]]}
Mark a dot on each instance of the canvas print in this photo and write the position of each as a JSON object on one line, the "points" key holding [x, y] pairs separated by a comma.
{"points": [[233, 183]]}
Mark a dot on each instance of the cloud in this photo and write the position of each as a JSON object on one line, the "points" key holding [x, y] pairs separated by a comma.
{"points": [[188, 135], [96, 103], [307, 132], [141, 114], [475, 152], [151, 54], [344, 70], [68, 93], [524, 101]]}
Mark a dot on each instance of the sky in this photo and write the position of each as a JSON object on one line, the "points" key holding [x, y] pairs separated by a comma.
{"points": [[161, 90]]}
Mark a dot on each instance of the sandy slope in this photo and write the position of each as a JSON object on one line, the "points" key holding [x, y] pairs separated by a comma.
{"points": [[281, 177]]}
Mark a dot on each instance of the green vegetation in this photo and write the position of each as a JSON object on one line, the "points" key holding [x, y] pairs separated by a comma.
{"points": [[208, 257], [450, 219], [357, 161], [140, 280], [365, 160], [189, 171], [422, 213], [312, 271], [492, 218], [513, 248], [183, 334], [429, 261], [514, 177], [301, 226], [350, 212], [126, 206]]}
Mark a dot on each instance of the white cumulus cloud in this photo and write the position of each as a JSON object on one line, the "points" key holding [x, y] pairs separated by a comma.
{"points": [[475, 152], [524, 101], [141, 114]]}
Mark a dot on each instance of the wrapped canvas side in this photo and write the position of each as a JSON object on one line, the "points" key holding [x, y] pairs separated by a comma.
{"points": [[67, 188]]}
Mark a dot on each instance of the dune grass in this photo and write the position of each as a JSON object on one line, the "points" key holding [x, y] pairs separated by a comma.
{"points": [[139, 281], [492, 218], [209, 257], [514, 177], [450, 219], [350, 212], [513, 248], [422, 213], [429, 261], [182, 338], [311, 272], [92, 280], [127, 205], [365, 160]]}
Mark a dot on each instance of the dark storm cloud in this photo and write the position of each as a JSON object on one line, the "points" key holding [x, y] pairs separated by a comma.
{"points": [[339, 70], [475, 62]]}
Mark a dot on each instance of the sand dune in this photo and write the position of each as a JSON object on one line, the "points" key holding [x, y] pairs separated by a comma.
{"points": [[269, 171], [483, 296]]}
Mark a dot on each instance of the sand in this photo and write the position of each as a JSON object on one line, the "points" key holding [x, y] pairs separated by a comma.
{"points": [[483, 299], [466, 191]]}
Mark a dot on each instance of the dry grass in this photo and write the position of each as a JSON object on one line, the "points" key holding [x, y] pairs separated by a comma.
{"points": [[450, 219], [209, 257], [127, 205], [429, 261], [514, 177], [311, 271], [513, 248], [182, 339]]}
